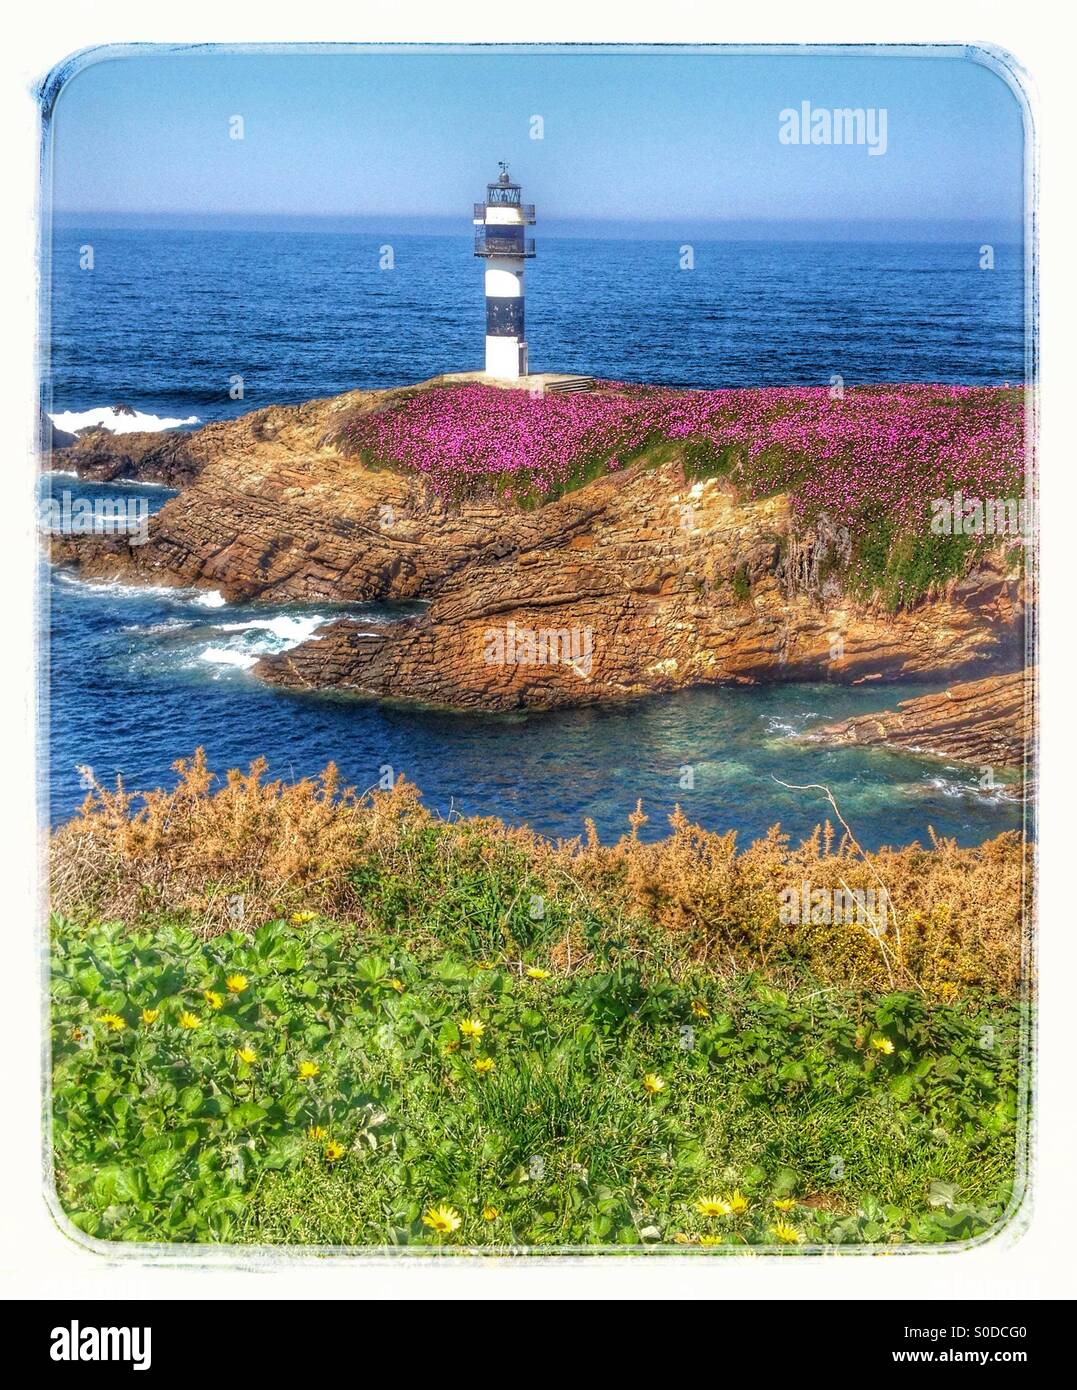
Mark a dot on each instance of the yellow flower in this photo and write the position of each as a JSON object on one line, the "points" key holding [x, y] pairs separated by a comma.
{"points": [[150, 1015], [490, 1213], [113, 1022], [212, 998], [484, 1065], [710, 1240], [246, 1054], [536, 972], [784, 1203], [236, 984], [947, 989], [713, 1206], [682, 1238], [443, 1219], [334, 1150], [301, 917], [699, 1009], [451, 1046], [484, 965], [76, 1035], [788, 1235], [307, 1070], [883, 1045], [316, 1132], [652, 1084], [398, 985], [472, 1027], [738, 1203], [189, 1020]]}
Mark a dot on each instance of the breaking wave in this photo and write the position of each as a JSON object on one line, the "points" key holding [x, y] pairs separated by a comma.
{"points": [[119, 423]]}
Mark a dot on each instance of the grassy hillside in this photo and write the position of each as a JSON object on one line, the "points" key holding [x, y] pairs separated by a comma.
{"points": [[285, 1014]]}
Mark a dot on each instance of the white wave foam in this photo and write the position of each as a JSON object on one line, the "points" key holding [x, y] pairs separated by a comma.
{"points": [[199, 598], [950, 786], [140, 482], [228, 656], [790, 725], [946, 787], [155, 629], [257, 637], [117, 587], [74, 420], [288, 629]]}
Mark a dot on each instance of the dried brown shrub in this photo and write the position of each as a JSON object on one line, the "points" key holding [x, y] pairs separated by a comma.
{"points": [[194, 849], [956, 919]]}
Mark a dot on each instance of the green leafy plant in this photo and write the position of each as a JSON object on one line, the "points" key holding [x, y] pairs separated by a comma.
{"points": [[302, 1084]]}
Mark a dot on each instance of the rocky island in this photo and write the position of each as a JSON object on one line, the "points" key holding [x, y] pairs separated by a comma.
{"points": [[650, 539]]}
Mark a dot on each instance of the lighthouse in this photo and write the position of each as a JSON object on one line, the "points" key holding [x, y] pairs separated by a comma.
{"points": [[500, 224]]}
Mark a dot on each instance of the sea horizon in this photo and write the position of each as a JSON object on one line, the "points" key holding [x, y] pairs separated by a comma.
{"points": [[912, 231]]}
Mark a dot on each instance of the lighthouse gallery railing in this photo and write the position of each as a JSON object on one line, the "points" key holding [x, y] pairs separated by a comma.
{"points": [[488, 243]]}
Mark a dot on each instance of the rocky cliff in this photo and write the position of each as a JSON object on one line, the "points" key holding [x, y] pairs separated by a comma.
{"points": [[637, 582]]}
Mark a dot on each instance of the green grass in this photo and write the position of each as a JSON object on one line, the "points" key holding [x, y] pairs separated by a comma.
{"points": [[897, 566], [742, 583], [885, 1119]]}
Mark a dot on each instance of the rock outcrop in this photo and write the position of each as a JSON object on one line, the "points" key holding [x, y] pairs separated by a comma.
{"points": [[987, 722], [635, 583], [173, 459]]}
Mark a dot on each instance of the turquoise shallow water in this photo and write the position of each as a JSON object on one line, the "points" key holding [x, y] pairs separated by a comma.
{"points": [[141, 677]]}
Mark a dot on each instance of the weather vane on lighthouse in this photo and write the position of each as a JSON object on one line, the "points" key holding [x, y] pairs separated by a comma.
{"points": [[499, 239]]}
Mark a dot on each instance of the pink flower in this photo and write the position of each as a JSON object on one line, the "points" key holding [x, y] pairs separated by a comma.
{"points": [[881, 452]]}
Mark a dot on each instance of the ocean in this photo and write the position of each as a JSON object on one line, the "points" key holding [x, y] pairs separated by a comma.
{"points": [[168, 322]]}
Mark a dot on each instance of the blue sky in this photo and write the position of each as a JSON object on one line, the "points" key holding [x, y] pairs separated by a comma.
{"points": [[660, 139]]}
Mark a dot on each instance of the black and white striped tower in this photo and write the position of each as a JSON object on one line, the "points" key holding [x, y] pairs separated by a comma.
{"points": [[499, 239]]}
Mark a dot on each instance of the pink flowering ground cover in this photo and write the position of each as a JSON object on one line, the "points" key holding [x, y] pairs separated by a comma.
{"points": [[872, 460]]}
